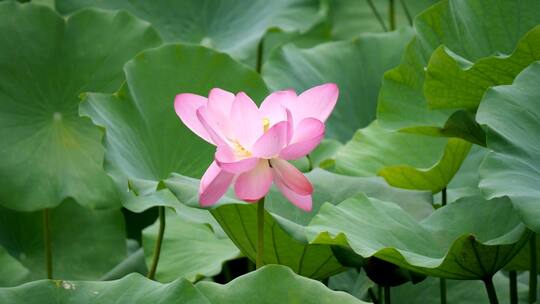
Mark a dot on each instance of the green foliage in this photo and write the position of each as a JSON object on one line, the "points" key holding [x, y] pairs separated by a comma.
{"points": [[48, 152]]}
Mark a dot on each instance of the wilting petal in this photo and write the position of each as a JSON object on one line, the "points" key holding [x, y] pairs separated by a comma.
{"points": [[272, 141], [307, 135], [291, 177], [219, 109], [217, 137], [214, 184], [186, 106], [273, 106], [253, 185], [317, 102], [227, 160], [303, 202], [246, 120]]}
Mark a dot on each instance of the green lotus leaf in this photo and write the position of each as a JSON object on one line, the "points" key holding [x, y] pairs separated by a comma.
{"points": [[397, 156], [450, 243], [356, 66], [324, 156], [189, 250], [12, 272], [234, 27], [469, 31], [145, 140], [455, 83], [463, 292], [522, 260], [133, 288], [134, 262], [512, 169], [267, 283], [274, 284], [48, 152], [285, 239], [85, 243], [349, 18]]}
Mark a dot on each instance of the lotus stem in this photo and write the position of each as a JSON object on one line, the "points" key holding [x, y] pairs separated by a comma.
{"points": [[444, 196], [407, 13], [392, 14], [513, 287], [157, 249], [260, 234], [47, 243], [442, 287], [387, 297], [490, 288], [377, 15], [260, 49], [533, 272]]}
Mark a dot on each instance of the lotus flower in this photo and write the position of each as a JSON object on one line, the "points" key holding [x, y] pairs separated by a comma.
{"points": [[254, 144]]}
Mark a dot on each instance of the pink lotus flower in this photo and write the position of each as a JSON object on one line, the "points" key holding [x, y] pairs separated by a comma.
{"points": [[254, 144]]}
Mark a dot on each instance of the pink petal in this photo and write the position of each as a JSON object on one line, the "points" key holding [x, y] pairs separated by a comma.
{"points": [[273, 107], [217, 138], [227, 160], [246, 120], [307, 135], [253, 185], [317, 102], [186, 106], [272, 141], [214, 184], [303, 202], [219, 109], [291, 177]]}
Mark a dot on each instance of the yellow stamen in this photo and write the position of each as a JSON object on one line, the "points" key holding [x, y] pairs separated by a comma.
{"points": [[240, 151], [266, 124]]}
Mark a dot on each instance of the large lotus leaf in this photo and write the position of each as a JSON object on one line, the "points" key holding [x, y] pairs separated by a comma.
{"points": [[356, 66], [405, 160], [144, 138], [463, 292], [273, 284], [190, 250], [231, 26], [450, 243], [133, 288], [12, 272], [349, 18], [522, 261], [85, 243], [465, 182], [469, 30], [48, 152], [455, 83], [285, 239], [266, 284], [512, 115]]}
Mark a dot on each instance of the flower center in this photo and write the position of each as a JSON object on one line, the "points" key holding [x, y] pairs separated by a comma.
{"points": [[266, 124], [239, 150]]}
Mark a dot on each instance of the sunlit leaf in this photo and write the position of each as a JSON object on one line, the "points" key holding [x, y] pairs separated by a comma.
{"points": [[512, 115]]}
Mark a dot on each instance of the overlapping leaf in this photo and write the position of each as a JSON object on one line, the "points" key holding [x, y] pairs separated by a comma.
{"points": [[189, 250], [512, 115], [450, 243], [231, 26], [469, 31], [285, 239], [85, 243], [356, 66], [145, 139], [396, 156], [48, 152], [267, 283]]}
